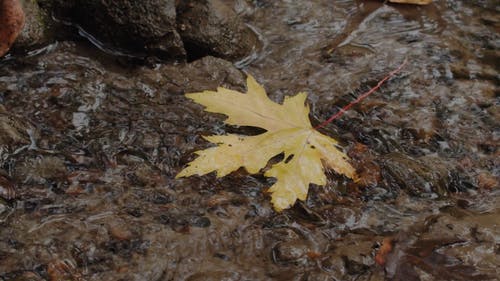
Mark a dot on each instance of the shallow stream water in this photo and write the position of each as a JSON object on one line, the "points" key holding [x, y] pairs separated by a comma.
{"points": [[90, 145]]}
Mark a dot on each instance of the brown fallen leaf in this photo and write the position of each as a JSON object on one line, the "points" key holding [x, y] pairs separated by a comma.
{"points": [[384, 250], [62, 270], [313, 255], [7, 188]]}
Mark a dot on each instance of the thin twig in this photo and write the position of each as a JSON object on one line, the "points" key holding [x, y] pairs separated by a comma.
{"points": [[362, 97]]}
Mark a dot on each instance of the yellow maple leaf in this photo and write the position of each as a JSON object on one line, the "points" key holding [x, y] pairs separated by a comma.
{"points": [[288, 131]]}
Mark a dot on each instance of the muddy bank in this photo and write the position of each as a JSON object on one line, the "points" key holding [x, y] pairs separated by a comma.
{"points": [[90, 144]]}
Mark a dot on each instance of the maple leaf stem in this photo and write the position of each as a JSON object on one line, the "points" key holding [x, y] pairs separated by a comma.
{"points": [[362, 97]]}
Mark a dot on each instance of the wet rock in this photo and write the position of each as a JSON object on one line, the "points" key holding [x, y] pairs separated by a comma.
{"points": [[226, 198], [6, 209], [62, 270], [446, 248], [427, 126], [345, 54], [215, 276], [36, 28], [294, 251], [11, 23], [419, 176], [335, 265], [145, 175], [353, 267], [366, 165], [209, 27], [160, 198], [13, 129], [42, 169], [25, 276], [154, 28], [143, 27], [86, 253], [182, 222], [487, 181], [120, 231], [199, 221], [135, 212], [460, 71], [126, 247], [219, 72], [203, 74], [356, 253], [7, 190], [303, 212], [379, 140]]}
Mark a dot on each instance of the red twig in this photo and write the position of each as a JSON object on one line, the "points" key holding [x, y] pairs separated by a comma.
{"points": [[362, 97]]}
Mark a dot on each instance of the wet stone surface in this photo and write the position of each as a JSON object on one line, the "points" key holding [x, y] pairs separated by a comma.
{"points": [[90, 145]]}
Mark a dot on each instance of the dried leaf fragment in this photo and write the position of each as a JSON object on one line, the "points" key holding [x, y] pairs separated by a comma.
{"points": [[384, 250], [288, 131]]}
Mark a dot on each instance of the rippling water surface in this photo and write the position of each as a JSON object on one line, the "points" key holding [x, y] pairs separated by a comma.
{"points": [[90, 145]]}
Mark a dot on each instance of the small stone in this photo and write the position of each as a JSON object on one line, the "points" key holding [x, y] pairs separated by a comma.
{"points": [[13, 130], [487, 181], [35, 31], [199, 221], [291, 251], [420, 176], [11, 23], [120, 231]]}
